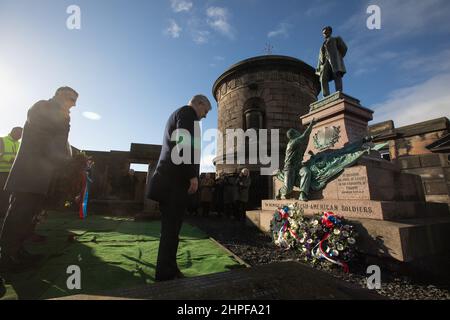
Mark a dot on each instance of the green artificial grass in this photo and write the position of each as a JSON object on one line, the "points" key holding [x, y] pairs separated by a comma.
{"points": [[112, 253]]}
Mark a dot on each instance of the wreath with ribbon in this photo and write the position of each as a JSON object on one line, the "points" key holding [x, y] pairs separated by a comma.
{"points": [[324, 237]]}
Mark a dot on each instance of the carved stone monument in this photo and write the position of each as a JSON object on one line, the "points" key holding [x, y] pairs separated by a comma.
{"points": [[387, 206], [341, 120]]}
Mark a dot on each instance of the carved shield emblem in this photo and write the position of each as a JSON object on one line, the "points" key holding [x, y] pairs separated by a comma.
{"points": [[326, 137]]}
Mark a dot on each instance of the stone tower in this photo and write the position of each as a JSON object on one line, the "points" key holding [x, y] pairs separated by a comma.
{"points": [[266, 92]]}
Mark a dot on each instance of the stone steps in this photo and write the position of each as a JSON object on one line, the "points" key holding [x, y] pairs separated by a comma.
{"points": [[367, 209], [277, 281]]}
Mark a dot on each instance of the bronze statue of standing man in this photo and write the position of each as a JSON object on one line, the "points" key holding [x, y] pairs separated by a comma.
{"points": [[331, 61]]}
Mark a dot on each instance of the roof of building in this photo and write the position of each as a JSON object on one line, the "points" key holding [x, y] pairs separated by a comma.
{"points": [[441, 145], [386, 129], [267, 61]]}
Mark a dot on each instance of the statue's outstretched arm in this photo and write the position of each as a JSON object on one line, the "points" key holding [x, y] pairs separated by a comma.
{"points": [[308, 130]]}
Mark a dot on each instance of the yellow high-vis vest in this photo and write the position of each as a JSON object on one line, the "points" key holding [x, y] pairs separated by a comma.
{"points": [[8, 153]]}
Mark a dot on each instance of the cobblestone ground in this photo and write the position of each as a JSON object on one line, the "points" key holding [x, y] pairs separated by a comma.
{"points": [[256, 248]]}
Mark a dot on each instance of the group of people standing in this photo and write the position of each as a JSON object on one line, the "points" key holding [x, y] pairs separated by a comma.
{"points": [[226, 195], [28, 174]]}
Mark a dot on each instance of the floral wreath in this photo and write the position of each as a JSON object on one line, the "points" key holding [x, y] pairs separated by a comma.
{"points": [[324, 237]]}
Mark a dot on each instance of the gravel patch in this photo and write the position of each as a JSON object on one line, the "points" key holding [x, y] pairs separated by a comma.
{"points": [[256, 248]]}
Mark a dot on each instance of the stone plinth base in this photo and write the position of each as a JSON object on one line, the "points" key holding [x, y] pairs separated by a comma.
{"points": [[341, 120], [366, 209], [403, 240]]}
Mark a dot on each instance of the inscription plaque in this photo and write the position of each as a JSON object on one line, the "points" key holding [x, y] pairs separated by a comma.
{"points": [[353, 184]]}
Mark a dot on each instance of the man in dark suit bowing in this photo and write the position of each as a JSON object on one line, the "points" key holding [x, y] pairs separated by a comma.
{"points": [[175, 177]]}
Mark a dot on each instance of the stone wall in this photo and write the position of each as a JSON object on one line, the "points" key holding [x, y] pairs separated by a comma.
{"points": [[435, 172], [111, 167], [409, 148]]}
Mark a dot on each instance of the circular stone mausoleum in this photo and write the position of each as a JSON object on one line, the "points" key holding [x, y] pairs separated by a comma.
{"points": [[266, 92]]}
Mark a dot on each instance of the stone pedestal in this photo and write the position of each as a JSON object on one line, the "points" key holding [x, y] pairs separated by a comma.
{"points": [[377, 180], [340, 120], [387, 206]]}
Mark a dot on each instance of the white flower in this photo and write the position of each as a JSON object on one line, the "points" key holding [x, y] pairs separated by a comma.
{"points": [[335, 253], [309, 241], [345, 234], [315, 223], [351, 240], [336, 231], [340, 247]]}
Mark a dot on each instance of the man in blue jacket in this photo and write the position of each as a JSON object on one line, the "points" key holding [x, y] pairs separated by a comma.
{"points": [[175, 177]]}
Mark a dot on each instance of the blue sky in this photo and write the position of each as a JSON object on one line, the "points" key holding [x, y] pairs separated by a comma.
{"points": [[134, 62]]}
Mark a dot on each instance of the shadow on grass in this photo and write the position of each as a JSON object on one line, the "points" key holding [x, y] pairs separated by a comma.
{"points": [[112, 253]]}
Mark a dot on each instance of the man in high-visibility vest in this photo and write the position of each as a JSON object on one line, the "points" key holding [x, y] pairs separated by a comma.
{"points": [[9, 146]]}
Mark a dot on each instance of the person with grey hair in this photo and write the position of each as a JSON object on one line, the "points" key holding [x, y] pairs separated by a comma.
{"points": [[174, 180], [43, 151]]}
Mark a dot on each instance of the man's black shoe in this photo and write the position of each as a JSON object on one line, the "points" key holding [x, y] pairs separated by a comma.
{"points": [[37, 238], [2, 287], [26, 257], [10, 264], [179, 275]]}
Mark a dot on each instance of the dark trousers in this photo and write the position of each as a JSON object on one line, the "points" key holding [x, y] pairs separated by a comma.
{"points": [[19, 221], [4, 197], [242, 209], [327, 76], [206, 207], [172, 212]]}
